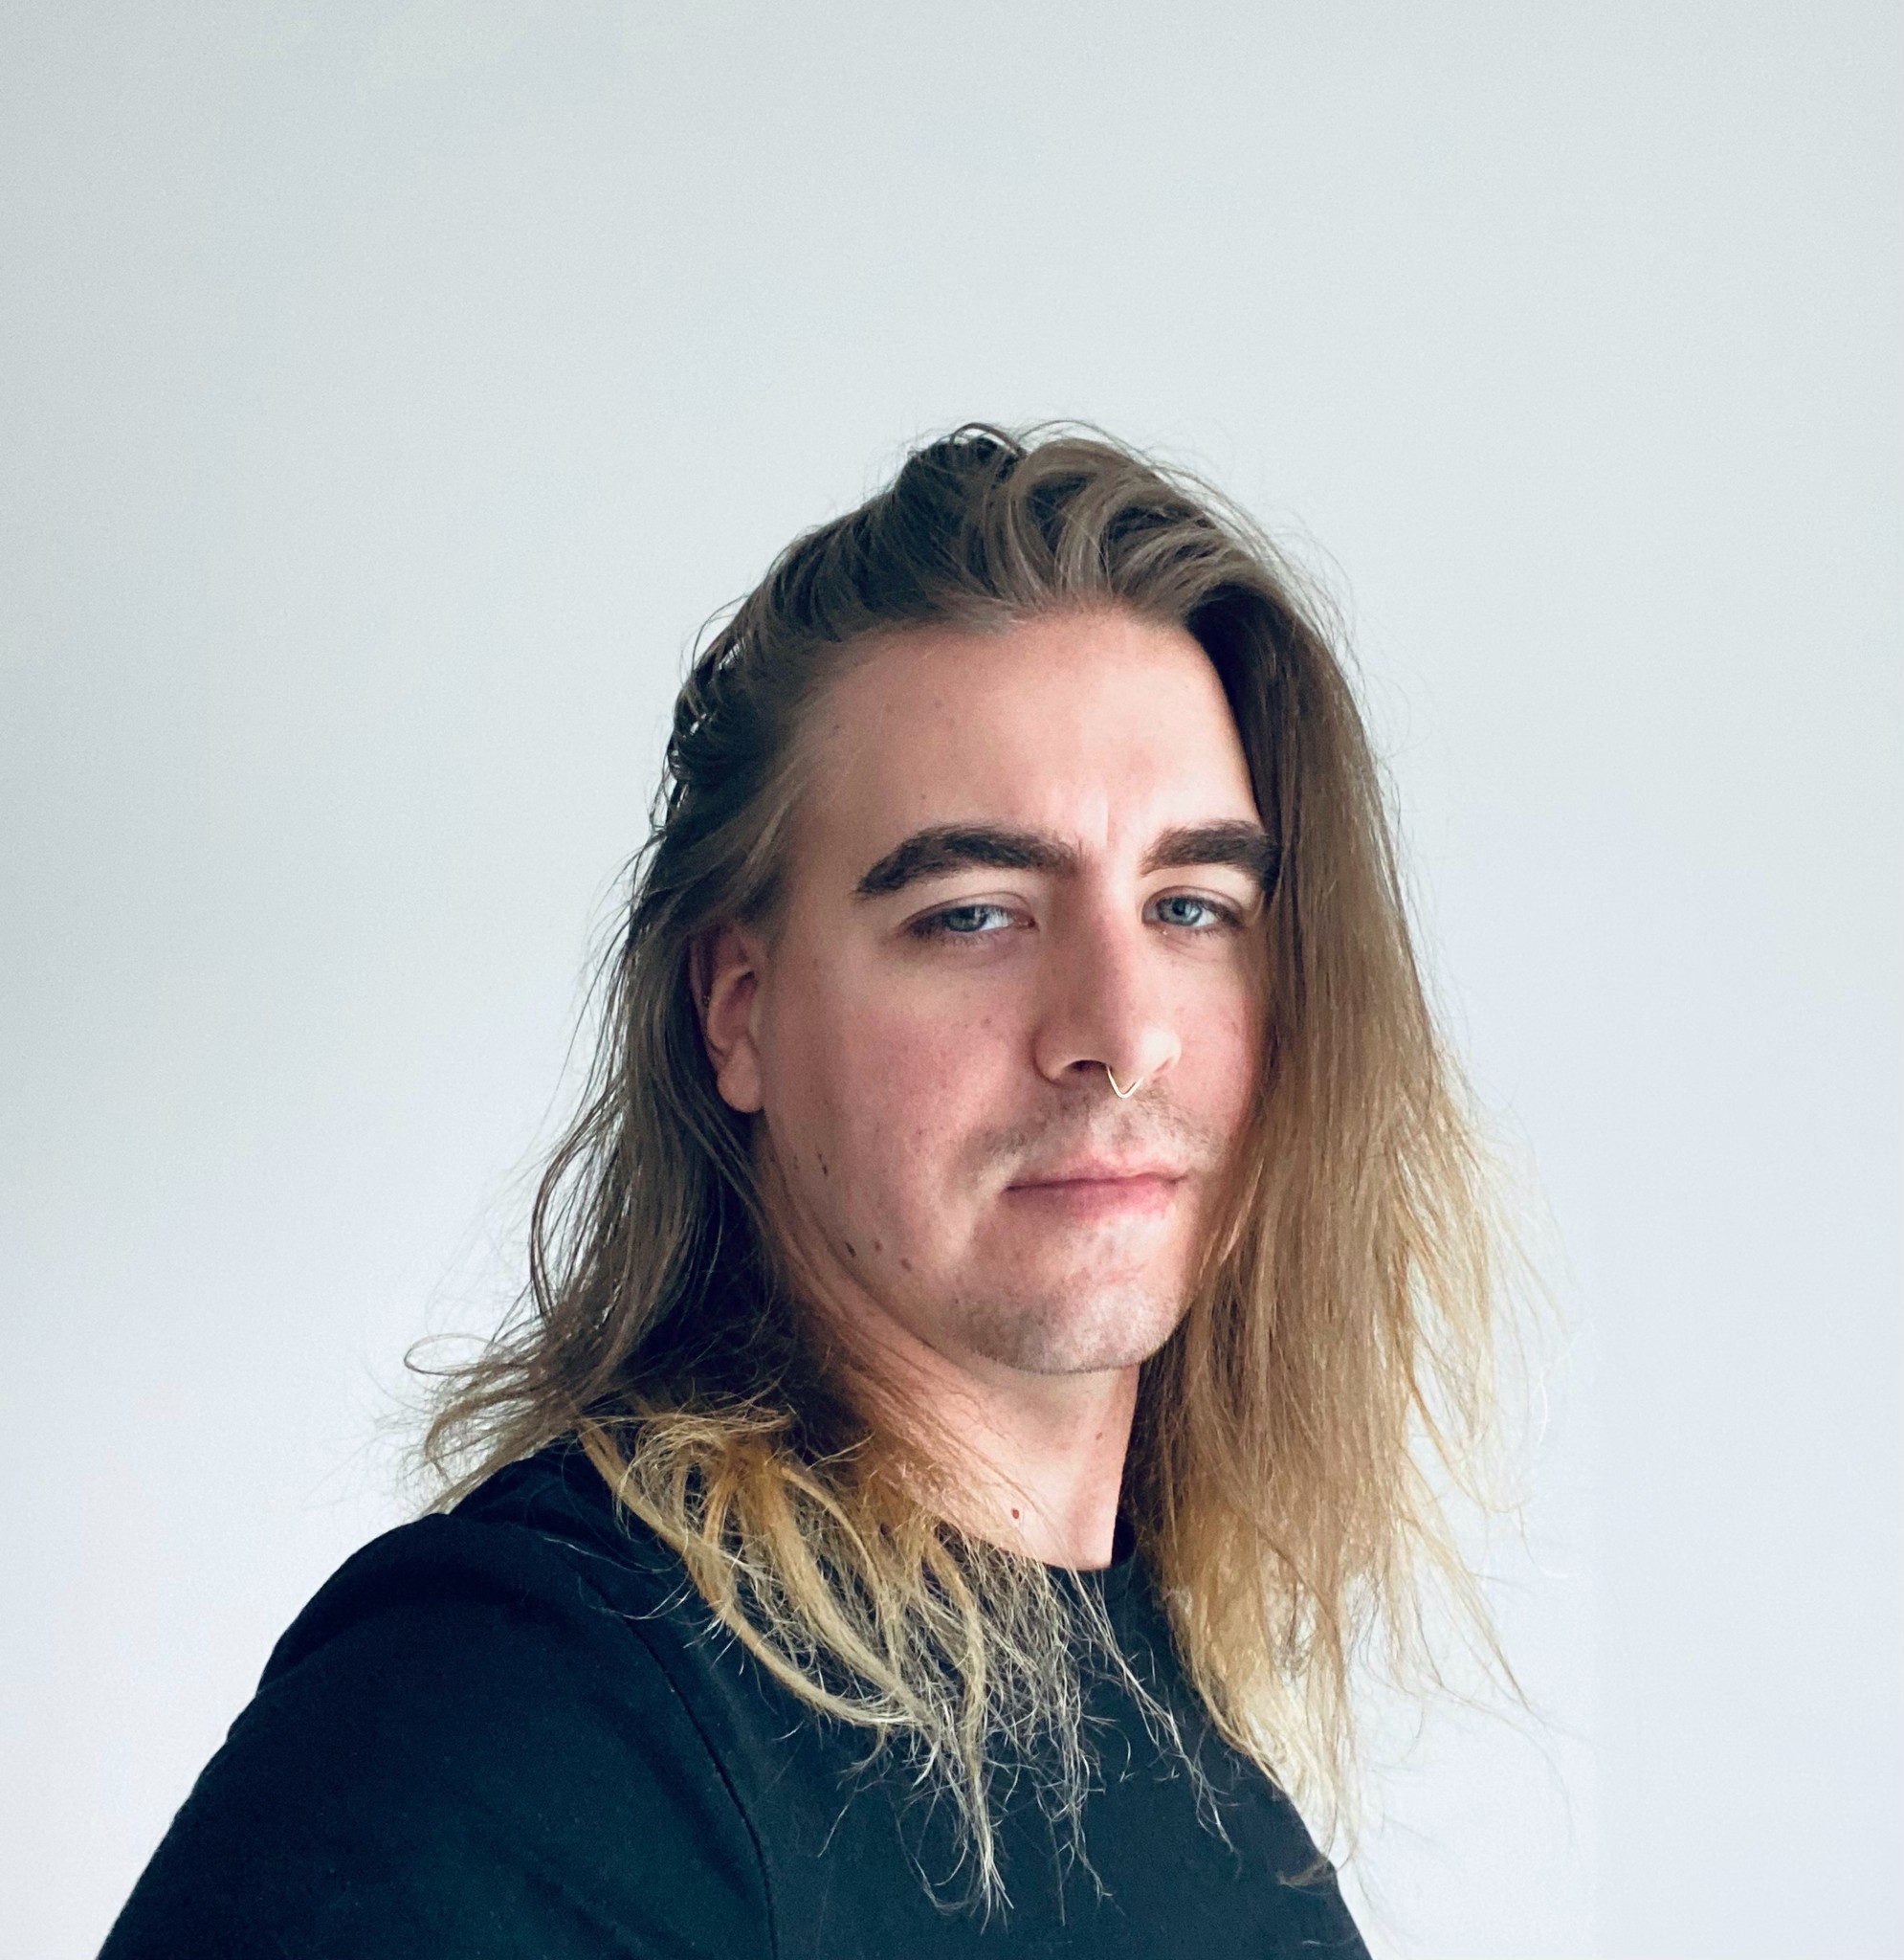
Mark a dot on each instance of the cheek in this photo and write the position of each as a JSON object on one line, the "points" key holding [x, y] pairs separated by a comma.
{"points": [[1221, 1065], [881, 1100], [920, 1087]]}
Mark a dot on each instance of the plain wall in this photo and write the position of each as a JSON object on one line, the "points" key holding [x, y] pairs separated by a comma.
{"points": [[390, 392]]}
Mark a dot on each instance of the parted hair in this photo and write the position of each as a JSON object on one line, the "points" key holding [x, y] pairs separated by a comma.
{"points": [[1330, 1380]]}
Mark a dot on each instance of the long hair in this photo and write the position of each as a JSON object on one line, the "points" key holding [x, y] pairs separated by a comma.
{"points": [[1330, 1377]]}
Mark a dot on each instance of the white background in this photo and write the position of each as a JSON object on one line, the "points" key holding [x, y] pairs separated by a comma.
{"points": [[389, 391]]}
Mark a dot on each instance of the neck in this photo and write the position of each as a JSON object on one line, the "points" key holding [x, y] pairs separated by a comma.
{"points": [[1053, 1465], [1036, 1460]]}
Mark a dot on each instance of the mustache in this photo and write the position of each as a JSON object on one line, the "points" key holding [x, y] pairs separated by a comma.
{"points": [[1158, 1129]]}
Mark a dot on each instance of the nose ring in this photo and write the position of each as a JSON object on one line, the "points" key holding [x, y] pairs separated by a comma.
{"points": [[1123, 1094]]}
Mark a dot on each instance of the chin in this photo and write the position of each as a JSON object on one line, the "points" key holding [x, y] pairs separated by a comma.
{"points": [[1106, 1329]]}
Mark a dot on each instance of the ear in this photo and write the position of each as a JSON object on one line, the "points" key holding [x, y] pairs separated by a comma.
{"points": [[727, 968]]}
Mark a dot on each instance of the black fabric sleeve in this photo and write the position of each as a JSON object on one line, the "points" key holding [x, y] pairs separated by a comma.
{"points": [[460, 1748]]}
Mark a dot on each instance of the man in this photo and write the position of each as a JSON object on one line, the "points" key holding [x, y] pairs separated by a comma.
{"points": [[985, 1319]]}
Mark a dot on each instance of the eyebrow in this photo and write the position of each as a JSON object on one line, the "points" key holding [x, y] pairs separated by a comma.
{"points": [[948, 847]]}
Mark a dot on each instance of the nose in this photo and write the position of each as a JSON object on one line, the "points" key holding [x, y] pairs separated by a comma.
{"points": [[1105, 1005]]}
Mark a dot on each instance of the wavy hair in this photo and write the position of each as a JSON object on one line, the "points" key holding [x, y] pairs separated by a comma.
{"points": [[1331, 1377]]}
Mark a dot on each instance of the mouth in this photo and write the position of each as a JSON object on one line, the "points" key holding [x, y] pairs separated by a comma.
{"points": [[1097, 1190]]}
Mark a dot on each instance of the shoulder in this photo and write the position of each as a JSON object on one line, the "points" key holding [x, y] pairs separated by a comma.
{"points": [[467, 1733], [538, 1544]]}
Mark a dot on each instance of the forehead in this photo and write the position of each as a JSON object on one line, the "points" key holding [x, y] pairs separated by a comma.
{"points": [[1099, 727]]}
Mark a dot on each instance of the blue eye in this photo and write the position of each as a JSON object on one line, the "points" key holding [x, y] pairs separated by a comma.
{"points": [[1182, 911], [1193, 914], [962, 921]]}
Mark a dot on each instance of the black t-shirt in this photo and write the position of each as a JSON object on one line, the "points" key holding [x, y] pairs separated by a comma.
{"points": [[515, 1730]]}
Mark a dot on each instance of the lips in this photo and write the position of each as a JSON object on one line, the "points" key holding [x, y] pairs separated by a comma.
{"points": [[1096, 1189], [1101, 1170]]}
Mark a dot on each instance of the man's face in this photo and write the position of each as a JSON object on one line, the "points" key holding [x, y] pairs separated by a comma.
{"points": [[1030, 861]]}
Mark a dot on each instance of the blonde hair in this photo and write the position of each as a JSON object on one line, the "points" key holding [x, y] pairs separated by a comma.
{"points": [[1332, 1371]]}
